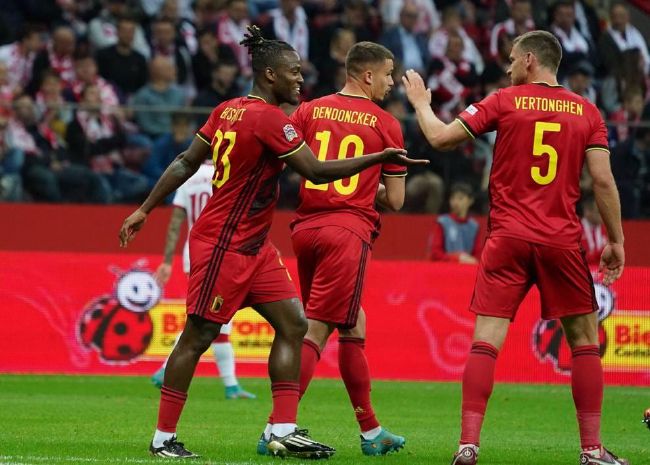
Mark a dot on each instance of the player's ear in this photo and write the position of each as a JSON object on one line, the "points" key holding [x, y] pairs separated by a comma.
{"points": [[269, 74], [367, 77]]}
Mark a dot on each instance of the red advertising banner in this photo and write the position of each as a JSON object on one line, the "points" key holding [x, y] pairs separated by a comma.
{"points": [[103, 313]]}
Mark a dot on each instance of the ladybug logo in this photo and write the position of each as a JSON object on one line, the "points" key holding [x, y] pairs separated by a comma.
{"points": [[118, 326], [549, 343]]}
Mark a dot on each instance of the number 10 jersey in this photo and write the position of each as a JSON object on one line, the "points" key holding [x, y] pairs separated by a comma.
{"points": [[342, 126]]}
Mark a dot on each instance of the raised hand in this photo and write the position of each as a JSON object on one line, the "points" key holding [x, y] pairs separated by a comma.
{"points": [[416, 91]]}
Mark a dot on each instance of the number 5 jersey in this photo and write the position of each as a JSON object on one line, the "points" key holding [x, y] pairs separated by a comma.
{"points": [[543, 134]]}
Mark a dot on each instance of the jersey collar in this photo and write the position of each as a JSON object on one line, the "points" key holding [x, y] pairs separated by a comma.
{"points": [[545, 84], [353, 95], [256, 97]]}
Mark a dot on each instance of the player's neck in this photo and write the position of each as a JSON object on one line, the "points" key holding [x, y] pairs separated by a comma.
{"points": [[543, 78], [267, 97], [355, 90]]}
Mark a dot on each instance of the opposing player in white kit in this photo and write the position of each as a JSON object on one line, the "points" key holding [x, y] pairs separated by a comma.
{"points": [[189, 201]]}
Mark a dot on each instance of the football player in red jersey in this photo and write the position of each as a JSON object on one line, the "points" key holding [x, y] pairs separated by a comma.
{"points": [[544, 136], [336, 224], [233, 264]]}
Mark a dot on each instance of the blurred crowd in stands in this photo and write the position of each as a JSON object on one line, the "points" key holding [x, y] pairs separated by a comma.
{"points": [[97, 97]]}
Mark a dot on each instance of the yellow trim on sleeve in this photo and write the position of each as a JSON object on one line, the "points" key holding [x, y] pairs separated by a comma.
{"points": [[598, 148], [293, 151], [401, 175], [202, 138], [465, 128]]}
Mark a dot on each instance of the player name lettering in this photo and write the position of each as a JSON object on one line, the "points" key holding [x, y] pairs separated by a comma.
{"points": [[345, 116], [548, 104], [232, 114]]}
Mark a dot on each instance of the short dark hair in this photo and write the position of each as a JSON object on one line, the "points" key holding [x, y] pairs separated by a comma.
{"points": [[265, 53], [366, 53], [462, 188], [543, 45]]}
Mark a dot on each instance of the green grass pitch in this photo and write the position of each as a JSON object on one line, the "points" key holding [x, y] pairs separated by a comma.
{"points": [[110, 420]]}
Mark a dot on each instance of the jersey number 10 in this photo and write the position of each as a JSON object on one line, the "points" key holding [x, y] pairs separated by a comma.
{"points": [[540, 149], [351, 139]]}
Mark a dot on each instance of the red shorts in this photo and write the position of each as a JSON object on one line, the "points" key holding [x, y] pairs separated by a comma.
{"points": [[331, 265], [221, 281], [509, 267]]}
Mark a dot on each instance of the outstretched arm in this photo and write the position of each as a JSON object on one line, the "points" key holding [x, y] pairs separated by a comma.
{"points": [[440, 135], [320, 172], [179, 171]]}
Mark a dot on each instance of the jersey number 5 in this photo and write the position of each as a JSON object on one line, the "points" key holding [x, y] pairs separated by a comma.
{"points": [[222, 165], [540, 149], [351, 139]]}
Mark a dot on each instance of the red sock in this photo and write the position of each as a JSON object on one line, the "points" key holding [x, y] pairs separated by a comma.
{"points": [[171, 406], [587, 389], [309, 358], [285, 402], [478, 380], [356, 376]]}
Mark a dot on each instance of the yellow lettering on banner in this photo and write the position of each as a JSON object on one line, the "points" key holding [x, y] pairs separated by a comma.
{"points": [[251, 335], [628, 341]]}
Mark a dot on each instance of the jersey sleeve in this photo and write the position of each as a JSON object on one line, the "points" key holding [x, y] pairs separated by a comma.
{"points": [[206, 132], [393, 138], [598, 138], [481, 117], [276, 132]]}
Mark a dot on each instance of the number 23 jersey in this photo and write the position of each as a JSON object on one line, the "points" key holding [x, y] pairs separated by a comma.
{"points": [[543, 134], [249, 139]]}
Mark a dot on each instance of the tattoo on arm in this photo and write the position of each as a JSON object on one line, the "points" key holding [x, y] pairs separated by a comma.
{"points": [[173, 232]]}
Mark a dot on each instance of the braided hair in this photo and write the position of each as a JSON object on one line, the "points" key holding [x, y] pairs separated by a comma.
{"points": [[265, 53]]}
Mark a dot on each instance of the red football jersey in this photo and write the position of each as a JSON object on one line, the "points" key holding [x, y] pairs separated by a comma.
{"points": [[249, 138], [343, 126], [543, 134]]}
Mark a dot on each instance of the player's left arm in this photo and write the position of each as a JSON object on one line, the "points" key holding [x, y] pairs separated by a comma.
{"points": [[440, 135], [391, 193], [179, 171]]}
